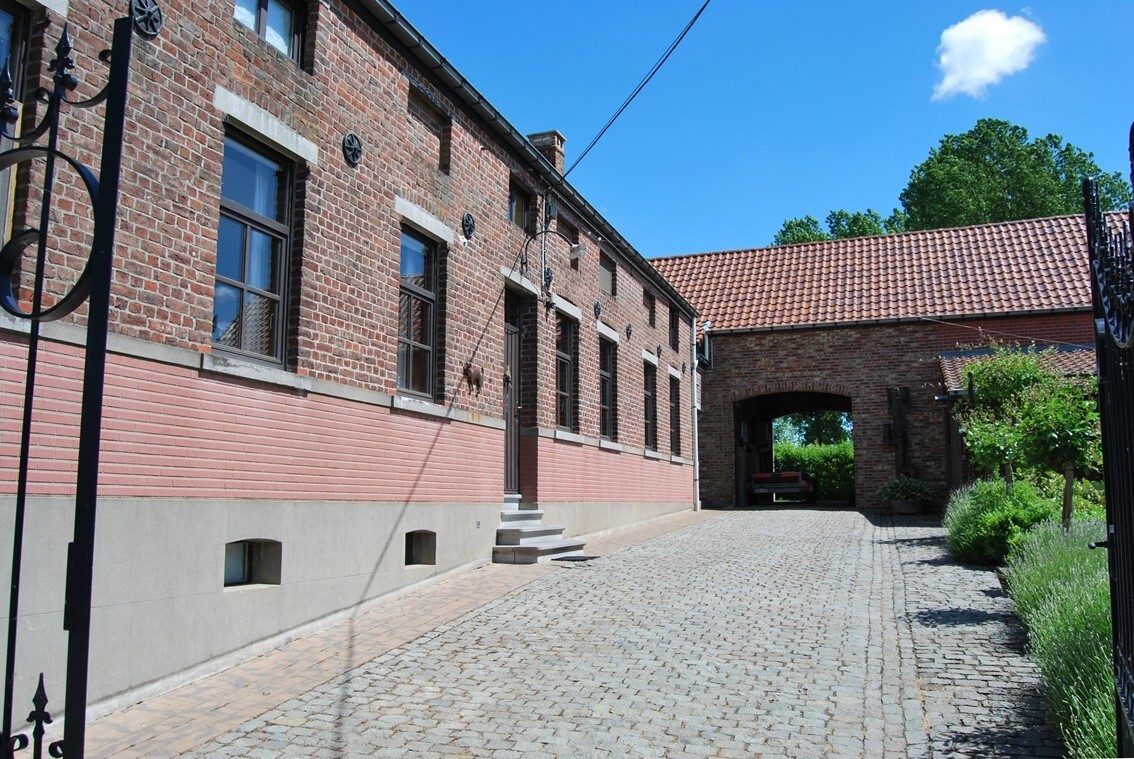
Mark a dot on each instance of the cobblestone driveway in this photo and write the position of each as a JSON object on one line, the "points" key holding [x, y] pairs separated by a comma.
{"points": [[774, 632]]}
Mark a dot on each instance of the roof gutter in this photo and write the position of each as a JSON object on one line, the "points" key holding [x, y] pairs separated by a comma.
{"points": [[386, 18]]}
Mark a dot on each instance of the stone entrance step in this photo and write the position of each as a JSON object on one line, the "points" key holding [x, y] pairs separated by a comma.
{"points": [[535, 553], [523, 538]]}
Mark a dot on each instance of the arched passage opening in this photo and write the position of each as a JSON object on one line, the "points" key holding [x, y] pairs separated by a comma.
{"points": [[754, 423]]}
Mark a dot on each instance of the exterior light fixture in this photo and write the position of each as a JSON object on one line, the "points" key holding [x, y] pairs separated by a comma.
{"points": [[629, 330], [598, 309]]}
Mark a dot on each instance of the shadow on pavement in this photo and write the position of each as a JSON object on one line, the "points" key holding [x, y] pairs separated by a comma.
{"points": [[955, 617], [1024, 732]]}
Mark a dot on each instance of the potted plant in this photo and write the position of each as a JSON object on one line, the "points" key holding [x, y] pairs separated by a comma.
{"points": [[905, 494]]}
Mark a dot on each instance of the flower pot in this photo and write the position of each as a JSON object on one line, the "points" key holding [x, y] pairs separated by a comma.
{"points": [[906, 507]]}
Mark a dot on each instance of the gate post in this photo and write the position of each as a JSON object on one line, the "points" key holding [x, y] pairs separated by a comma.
{"points": [[93, 285]]}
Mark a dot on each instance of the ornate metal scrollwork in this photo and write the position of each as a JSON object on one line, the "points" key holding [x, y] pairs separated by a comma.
{"points": [[1112, 266], [468, 225]]}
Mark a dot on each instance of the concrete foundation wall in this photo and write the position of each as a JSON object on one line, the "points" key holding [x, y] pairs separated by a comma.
{"points": [[160, 605]]}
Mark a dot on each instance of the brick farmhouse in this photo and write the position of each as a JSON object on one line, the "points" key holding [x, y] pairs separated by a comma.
{"points": [[355, 317]]}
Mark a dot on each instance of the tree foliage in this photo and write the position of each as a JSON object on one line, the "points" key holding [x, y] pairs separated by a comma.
{"points": [[840, 225], [812, 428], [1024, 414], [994, 173], [991, 173]]}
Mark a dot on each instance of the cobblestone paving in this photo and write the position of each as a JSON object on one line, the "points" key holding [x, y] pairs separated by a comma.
{"points": [[981, 692], [775, 632]]}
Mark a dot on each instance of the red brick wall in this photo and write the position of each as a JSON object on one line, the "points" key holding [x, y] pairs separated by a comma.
{"points": [[171, 432], [571, 472], [862, 363], [344, 302]]}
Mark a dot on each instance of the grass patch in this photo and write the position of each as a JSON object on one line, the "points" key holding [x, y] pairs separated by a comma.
{"points": [[1062, 594], [985, 520]]}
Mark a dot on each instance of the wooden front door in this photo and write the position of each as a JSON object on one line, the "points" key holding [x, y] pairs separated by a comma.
{"points": [[511, 393]]}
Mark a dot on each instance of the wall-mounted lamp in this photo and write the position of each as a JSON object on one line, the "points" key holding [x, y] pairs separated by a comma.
{"points": [[576, 251], [598, 309], [658, 351], [684, 367], [629, 330]]}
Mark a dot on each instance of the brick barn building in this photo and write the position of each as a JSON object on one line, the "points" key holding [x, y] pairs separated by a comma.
{"points": [[864, 326], [355, 316]]}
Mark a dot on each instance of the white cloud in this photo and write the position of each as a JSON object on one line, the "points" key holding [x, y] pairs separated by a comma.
{"points": [[983, 49]]}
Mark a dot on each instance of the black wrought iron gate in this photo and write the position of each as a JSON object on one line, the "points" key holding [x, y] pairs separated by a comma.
{"points": [[1112, 285], [31, 303]]}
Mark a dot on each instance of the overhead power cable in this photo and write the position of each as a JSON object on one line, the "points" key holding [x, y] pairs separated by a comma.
{"points": [[641, 85]]}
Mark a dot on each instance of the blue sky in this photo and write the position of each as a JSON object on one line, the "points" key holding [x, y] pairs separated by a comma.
{"points": [[772, 110]]}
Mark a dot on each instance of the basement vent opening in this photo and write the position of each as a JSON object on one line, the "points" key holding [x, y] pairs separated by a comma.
{"points": [[421, 547], [575, 558]]}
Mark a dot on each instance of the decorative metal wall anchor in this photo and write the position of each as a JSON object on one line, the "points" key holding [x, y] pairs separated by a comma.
{"points": [[93, 286], [468, 225], [352, 148]]}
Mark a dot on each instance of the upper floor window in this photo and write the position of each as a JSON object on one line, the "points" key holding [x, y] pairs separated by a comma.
{"points": [[650, 303], [651, 404], [13, 20], [13, 25], [608, 389], [417, 309], [674, 328], [279, 22], [608, 275], [675, 416], [566, 368], [571, 234], [520, 207], [253, 251]]}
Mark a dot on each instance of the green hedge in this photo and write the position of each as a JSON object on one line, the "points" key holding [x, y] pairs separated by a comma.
{"points": [[985, 520], [1062, 594], [832, 465]]}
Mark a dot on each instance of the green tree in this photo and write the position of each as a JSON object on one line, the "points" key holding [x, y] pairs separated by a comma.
{"points": [[812, 428], [1023, 413], [993, 173], [840, 225], [801, 230], [1059, 431]]}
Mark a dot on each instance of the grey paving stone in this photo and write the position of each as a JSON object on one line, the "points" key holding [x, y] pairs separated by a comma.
{"points": [[778, 632]]}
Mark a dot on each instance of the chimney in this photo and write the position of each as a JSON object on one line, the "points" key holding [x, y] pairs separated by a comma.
{"points": [[550, 145]]}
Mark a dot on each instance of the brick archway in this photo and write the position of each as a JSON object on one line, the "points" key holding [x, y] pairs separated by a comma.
{"points": [[791, 386], [755, 408]]}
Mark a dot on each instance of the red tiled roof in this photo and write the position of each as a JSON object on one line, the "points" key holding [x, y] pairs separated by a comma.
{"points": [[1076, 362], [1012, 267]]}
